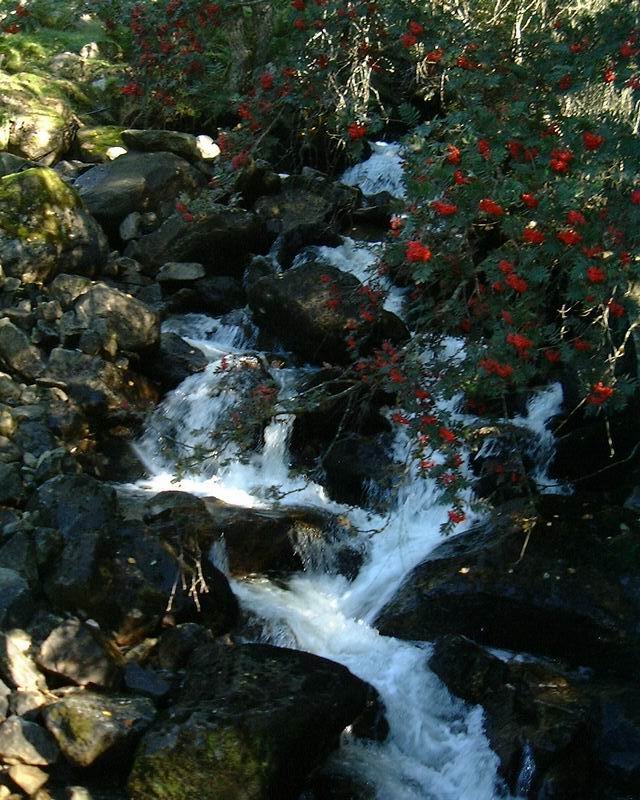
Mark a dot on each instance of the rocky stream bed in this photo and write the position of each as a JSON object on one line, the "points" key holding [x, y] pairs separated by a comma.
{"points": [[278, 623]]}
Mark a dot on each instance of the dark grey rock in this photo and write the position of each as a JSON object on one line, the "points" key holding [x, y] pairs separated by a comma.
{"points": [[174, 362], [221, 239], [573, 594], [16, 601], [11, 489], [66, 288], [135, 182], [146, 682]]}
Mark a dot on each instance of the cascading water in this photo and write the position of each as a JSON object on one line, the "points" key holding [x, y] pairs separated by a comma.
{"points": [[436, 748]]}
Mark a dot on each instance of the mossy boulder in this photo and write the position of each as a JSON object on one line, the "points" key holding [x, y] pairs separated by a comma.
{"points": [[250, 723], [36, 116], [93, 142], [45, 229]]}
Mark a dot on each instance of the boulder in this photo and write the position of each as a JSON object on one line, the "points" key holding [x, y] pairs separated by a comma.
{"points": [[306, 213], [250, 722], [181, 144], [273, 541], [17, 354], [112, 313], [76, 653], [38, 117], [318, 302], [84, 511], [122, 574], [560, 581], [214, 294], [136, 182], [571, 734], [174, 362], [45, 229], [88, 726], [359, 468], [221, 238], [532, 712], [94, 141]]}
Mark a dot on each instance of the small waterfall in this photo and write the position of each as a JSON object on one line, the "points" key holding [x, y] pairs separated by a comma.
{"points": [[436, 748]]}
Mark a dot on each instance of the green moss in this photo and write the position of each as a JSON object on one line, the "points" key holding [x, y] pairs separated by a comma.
{"points": [[30, 205], [33, 50], [95, 141], [215, 764]]}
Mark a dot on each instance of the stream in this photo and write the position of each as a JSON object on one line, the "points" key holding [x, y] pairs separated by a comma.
{"points": [[436, 748]]}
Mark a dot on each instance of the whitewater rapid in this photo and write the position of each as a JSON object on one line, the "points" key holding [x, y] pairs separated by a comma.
{"points": [[436, 748]]}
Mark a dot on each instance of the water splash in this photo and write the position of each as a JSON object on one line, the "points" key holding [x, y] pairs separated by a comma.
{"points": [[381, 172]]}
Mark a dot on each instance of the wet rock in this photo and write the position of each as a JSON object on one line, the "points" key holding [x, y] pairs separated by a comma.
{"points": [[306, 212], [220, 238], [17, 354], [273, 541], [320, 300], [358, 468], [45, 229], [134, 325], [560, 581], [175, 361], [16, 601], [215, 295], [617, 743], [77, 653], [531, 711], [250, 721], [23, 742], [88, 726], [136, 182]]}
